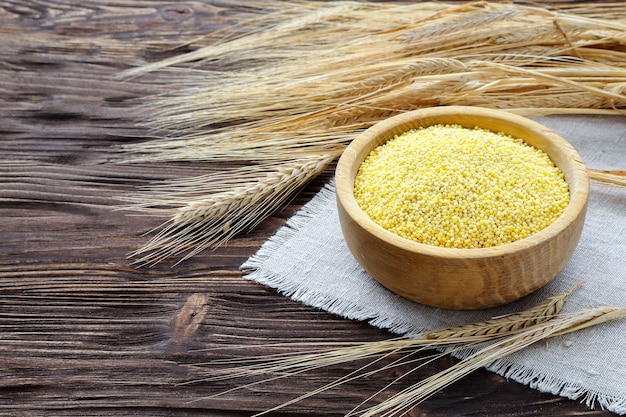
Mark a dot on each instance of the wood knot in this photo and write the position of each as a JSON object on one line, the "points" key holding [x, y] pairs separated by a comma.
{"points": [[178, 12], [189, 318]]}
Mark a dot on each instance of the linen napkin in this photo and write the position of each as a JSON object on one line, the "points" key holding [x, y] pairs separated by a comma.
{"points": [[308, 261]]}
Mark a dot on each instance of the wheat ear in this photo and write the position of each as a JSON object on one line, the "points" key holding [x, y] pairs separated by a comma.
{"points": [[415, 394], [211, 221], [466, 335], [285, 365], [507, 324]]}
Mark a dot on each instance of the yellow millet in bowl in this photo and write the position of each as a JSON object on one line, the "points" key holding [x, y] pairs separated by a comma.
{"points": [[456, 187], [453, 216]]}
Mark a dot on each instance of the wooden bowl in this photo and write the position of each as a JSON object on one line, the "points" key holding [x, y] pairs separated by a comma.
{"points": [[462, 279]]}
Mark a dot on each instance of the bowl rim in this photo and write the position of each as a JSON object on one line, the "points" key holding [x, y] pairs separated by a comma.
{"points": [[344, 183]]}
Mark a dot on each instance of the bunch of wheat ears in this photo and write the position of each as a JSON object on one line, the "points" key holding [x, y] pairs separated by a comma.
{"points": [[280, 95], [483, 342]]}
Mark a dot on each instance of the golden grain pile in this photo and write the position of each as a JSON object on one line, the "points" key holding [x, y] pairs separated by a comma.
{"points": [[283, 94], [454, 187]]}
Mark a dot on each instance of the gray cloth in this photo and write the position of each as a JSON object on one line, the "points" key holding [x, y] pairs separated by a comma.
{"points": [[308, 261]]}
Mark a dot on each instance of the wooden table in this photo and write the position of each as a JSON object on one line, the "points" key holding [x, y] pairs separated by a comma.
{"points": [[84, 333]]}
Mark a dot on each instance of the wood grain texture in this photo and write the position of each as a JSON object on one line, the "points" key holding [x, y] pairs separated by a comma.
{"points": [[81, 331]]}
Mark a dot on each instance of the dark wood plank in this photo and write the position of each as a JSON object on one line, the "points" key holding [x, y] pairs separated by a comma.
{"points": [[82, 332]]}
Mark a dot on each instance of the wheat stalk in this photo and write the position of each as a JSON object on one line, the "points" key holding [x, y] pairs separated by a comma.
{"points": [[219, 205], [325, 355], [415, 394], [498, 338], [204, 222]]}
